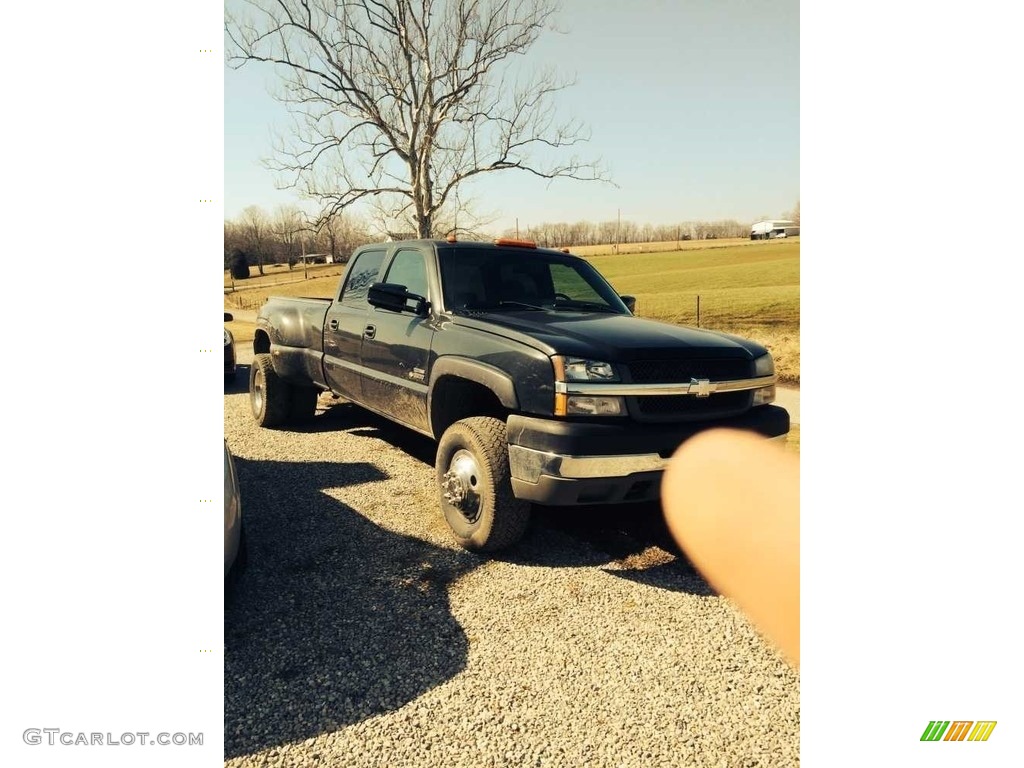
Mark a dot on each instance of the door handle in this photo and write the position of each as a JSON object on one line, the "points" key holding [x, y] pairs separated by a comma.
{"points": [[333, 325], [370, 331]]}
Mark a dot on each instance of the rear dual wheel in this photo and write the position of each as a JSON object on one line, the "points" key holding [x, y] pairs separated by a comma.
{"points": [[275, 401]]}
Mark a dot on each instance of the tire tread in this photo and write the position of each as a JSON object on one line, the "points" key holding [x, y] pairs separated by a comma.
{"points": [[510, 516], [277, 393]]}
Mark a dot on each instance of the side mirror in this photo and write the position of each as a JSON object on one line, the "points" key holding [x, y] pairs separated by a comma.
{"points": [[396, 298], [630, 302], [228, 317]]}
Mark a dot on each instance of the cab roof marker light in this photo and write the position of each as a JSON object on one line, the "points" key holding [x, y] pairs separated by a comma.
{"points": [[515, 243]]}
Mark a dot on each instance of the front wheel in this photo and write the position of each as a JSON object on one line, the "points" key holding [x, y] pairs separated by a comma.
{"points": [[475, 487]]}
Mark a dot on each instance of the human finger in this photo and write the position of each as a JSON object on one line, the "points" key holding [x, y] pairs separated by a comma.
{"points": [[732, 502]]}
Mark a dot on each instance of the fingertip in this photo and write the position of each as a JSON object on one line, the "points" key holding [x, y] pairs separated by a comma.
{"points": [[731, 500]]}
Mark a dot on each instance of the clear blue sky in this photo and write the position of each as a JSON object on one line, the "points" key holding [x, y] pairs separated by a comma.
{"points": [[694, 107]]}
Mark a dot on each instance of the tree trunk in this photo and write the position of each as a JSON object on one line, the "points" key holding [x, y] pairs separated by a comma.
{"points": [[424, 226]]}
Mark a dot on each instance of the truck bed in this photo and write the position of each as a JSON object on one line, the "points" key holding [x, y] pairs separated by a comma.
{"points": [[297, 322]]}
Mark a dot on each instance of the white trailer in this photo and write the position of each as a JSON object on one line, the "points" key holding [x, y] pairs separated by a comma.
{"points": [[769, 230]]}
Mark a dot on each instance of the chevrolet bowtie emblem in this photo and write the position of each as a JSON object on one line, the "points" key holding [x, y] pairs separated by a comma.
{"points": [[700, 387]]}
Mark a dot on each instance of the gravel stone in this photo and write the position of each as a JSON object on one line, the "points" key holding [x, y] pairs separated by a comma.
{"points": [[361, 635]]}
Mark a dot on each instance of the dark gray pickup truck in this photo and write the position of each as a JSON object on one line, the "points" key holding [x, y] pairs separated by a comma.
{"points": [[531, 372]]}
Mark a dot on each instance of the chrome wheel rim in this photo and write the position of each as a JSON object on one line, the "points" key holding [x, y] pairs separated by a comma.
{"points": [[258, 385], [461, 485]]}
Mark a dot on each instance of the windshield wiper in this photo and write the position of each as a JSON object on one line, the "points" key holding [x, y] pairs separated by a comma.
{"points": [[521, 304], [586, 306]]}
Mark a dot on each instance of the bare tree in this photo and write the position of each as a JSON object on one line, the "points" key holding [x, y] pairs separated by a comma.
{"points": [[234, 240], [459, 216], [288, 224], [334, 230], [341, 233], [408, 97], [254, 223]]}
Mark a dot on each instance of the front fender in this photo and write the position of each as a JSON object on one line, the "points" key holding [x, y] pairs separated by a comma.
{"points": [[495, 379]]}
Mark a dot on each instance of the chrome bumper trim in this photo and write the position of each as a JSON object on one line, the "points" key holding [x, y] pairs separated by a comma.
{"points": [[696, 387], [529, 465]]}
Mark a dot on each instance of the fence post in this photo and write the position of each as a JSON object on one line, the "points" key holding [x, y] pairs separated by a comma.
{"points": [[698, 310]]}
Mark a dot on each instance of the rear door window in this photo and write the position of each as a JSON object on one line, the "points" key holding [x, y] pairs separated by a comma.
{"points": [[361, 275]]}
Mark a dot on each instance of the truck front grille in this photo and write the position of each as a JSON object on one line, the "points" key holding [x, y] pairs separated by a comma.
{"points": [[670, 371], [667, 408], [685, 407]]}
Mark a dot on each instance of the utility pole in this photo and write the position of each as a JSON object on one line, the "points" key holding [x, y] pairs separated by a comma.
{"points": [[305, 268], [618, 228]]}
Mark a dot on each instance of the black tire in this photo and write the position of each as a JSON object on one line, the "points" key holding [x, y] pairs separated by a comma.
{"points": [[489, 517], [270, 396], [234, 577], [303, 403]]}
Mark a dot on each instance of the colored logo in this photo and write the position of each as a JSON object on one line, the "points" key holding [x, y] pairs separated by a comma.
{"points": [[958, 730]]}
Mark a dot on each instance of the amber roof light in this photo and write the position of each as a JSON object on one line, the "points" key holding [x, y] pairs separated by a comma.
{"points": [[515, 243]]}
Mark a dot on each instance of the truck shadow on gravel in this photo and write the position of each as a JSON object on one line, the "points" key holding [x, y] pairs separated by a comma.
{"points": [[342, 416], [628, 541], [335, 619]]}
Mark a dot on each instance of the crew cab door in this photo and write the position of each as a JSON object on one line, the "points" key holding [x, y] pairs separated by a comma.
{"points": [[345, 323], [396, 346]]}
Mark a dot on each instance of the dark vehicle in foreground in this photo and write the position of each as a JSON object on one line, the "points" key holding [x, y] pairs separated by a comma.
{"points": [[531, 372], [230, 358], [234, 540]]}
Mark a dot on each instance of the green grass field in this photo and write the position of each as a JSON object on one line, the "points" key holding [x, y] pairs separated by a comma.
{"points": [[748, 288], [668, 245]]}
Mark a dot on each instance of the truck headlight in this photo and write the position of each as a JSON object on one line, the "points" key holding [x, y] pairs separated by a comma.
{"points": [[579, 369], [586, 405], [227, 337], [764, 366], [573, 369]]}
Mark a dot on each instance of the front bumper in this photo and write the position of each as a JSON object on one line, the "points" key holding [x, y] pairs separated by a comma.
{"points": [[570, 462]]}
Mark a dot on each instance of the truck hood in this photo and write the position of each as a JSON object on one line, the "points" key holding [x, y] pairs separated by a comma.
{"points": [[612, 338]]}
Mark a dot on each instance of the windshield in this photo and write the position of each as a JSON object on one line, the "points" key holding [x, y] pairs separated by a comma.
{"points": [[495, 280]]}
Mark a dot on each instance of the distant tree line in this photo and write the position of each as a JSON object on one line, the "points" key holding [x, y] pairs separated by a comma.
{"points": [[257, 238], [563, 234]]}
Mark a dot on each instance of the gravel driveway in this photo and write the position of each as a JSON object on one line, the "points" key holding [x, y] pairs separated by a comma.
{"points": [[360, 635]]}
